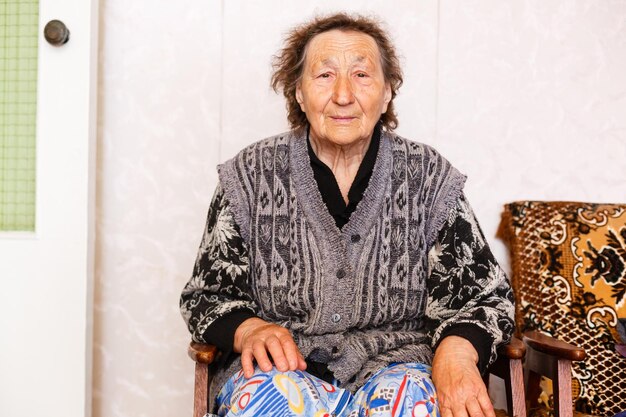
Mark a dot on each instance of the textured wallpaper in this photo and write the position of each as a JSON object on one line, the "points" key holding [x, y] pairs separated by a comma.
{"points": [[527, 98]]}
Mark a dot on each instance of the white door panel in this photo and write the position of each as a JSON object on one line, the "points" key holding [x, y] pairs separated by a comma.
{"points": [[46, 276]]}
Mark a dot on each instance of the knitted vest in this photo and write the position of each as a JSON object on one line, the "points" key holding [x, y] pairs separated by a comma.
{"points": [[353, 298]]}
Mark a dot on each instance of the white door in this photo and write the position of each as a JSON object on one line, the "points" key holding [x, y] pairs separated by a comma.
{"points": [[46, 274]]}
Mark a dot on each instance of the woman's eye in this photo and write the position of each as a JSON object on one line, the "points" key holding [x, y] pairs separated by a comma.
{"points": [[361, 75], [325, 75]]}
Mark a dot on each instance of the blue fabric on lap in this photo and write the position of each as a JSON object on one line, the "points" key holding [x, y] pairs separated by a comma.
{"points": [[403, 389]]}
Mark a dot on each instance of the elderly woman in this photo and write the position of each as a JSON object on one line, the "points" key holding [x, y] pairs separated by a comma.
{"points": [[339, 256]]}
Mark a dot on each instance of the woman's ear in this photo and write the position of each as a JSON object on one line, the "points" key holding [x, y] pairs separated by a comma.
{"points": [[299, 98], [387, 97]]}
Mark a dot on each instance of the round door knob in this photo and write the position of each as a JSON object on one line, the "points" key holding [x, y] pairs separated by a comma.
{"points": [[56, 33]]}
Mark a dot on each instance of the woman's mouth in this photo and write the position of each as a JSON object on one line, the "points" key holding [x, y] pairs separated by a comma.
{"points": [[342, 119]]}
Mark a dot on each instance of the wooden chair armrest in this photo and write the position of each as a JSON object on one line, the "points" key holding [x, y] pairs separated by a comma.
{"points": [[202, 353], [552, 358], [553, 347], [515, 349]]}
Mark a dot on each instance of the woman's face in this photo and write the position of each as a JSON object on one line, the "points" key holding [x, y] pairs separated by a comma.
{"points": [[343, 90]]}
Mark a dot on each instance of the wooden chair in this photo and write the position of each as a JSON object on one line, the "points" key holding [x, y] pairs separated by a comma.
{"points": [[568, 261], [508, 366]]}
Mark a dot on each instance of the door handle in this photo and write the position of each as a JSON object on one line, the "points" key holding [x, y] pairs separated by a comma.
{"points": [[56, 33]]}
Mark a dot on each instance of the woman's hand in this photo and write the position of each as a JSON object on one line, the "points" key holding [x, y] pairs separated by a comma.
{"points": [[461, 391], [255, 338]]}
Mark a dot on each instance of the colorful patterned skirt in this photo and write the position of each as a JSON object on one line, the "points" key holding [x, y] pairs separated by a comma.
{"points": [[402, 389]]}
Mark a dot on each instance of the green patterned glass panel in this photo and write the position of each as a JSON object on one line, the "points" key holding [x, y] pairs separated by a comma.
{"points": [[18, 110]]}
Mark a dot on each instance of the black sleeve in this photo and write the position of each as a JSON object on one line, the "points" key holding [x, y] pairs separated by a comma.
{"points": [[469, 294], [217, 298]]}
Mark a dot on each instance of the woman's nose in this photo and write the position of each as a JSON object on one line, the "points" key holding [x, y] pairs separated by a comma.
{"points": [[343, 93]]}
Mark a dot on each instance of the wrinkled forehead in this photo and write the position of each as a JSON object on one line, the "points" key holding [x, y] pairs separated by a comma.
{"points": [[342, 47]]}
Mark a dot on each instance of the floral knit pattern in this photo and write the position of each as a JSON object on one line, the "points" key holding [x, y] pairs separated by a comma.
{"points": [[466, 284], [219, 284]]}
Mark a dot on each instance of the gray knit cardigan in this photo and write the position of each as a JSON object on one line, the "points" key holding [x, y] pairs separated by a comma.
{"points": [[356, 298]]}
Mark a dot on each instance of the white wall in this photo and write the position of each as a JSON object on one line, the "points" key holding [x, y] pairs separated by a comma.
{"points": [[526, 97]]}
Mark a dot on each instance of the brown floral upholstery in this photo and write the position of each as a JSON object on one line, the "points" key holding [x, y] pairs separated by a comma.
{"points": [[569, 276]]}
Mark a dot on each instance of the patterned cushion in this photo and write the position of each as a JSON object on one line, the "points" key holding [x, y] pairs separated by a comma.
{"points": [[569, 276]]}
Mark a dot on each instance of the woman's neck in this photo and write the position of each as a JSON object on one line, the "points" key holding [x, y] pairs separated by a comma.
{"points": [[343, 160]]}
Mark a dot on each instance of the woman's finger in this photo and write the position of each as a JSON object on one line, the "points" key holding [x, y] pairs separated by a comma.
{"points": [[275, 349], [445, 411], [459, 410], [246, 363], [291, 352], [485, 404], [301, 363], [473, 407], [260, 354]]}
